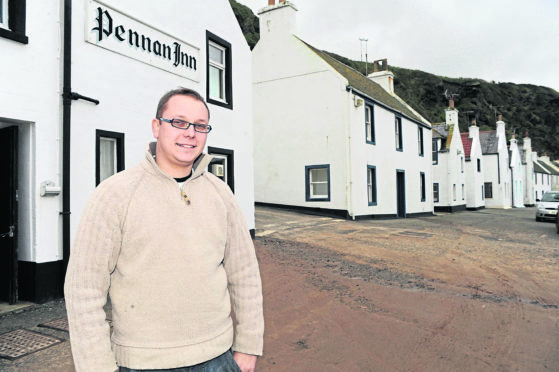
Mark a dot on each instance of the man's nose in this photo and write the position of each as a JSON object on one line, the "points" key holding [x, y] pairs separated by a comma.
{"points": [[189, 132]]}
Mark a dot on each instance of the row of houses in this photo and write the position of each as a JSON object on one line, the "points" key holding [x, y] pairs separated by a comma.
{"points": [[293, 126]]}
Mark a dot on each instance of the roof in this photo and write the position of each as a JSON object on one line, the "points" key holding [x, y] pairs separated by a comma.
{"points": [[364, 85], [538, 168], [489, 142], [467, 143], [549, 168]]}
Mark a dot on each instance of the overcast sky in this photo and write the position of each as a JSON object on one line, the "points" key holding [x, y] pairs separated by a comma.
{"points": [[505, 41]]}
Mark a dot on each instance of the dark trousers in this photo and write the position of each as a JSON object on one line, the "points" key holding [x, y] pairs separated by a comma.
{"points": [[222, 363]]}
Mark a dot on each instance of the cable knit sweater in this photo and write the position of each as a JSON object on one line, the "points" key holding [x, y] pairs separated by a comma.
{"points": [[172, 260]]}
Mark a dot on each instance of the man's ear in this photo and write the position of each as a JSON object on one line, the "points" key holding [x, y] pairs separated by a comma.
{"points": [[155, 124]]}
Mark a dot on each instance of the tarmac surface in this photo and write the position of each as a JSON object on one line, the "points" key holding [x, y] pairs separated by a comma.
{"points": [[469, 291]]}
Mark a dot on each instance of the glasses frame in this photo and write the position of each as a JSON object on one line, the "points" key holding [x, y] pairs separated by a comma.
{"points": [[188, 124]]}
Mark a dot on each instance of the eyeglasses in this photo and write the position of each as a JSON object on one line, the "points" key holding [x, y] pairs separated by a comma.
{"points": [[183, 124]]}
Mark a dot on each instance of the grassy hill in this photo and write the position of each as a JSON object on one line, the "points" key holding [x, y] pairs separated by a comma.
{"points": [[524, 107]]}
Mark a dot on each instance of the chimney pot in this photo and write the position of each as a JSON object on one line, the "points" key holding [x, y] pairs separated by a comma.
{"points": [[271, 2], [282, 1], [526, 134], [451, 103], [474, 122], [500, 117]]}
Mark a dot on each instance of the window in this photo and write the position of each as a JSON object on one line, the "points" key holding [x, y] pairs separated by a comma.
{"points": [[454, 192], [463, 192], [218, 75], [372, 184], [12, 20], [479, 165], [482, 193], [398, 133], [109, 154], [317, 182], [435, 152], [422, 185], [488, 190], [462, 164], [420, 141], [370, 124], [436, 192], [222, 165]]}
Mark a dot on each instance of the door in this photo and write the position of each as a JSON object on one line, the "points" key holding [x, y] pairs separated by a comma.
{"points": [[401, 193], [8, 215]]}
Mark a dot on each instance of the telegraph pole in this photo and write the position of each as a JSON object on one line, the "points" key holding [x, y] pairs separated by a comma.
{"points": [[362, 39]]}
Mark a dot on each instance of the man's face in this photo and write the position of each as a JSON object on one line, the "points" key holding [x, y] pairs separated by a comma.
{"points": [[178, 148]]}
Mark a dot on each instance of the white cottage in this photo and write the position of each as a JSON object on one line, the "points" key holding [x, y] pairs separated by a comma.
{"points": [[81, 81], [328, 138], [449, 164], [528, 166], [542, 178], [475, 193], [496, 170], [553, 171], [517, 174]]}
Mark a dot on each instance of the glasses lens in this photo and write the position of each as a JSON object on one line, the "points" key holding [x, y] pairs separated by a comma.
{"points": [[202, 128], [177, 123]]}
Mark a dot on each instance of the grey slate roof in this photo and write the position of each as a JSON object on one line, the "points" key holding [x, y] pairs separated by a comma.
{"points": [[549, 169], [538, 168], [365, 85], [489, 142], [441, 129]]}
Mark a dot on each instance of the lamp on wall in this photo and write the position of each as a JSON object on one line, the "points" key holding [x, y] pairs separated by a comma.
{"points": [[49, 189], [357, 102]]}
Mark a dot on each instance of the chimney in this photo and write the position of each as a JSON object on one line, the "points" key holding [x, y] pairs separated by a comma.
{"points": [[451, 114], [278, 21], [473, 130], [382, 76], [501, 127], [451, 102]]}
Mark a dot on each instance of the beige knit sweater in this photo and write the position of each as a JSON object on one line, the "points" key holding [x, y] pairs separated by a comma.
{"points": [[172, 261]]}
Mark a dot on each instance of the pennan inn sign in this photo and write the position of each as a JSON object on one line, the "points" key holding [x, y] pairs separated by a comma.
{"points": [[122, 34]]}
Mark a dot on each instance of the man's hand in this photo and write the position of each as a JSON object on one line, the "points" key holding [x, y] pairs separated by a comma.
{"points": [[246, 362]]}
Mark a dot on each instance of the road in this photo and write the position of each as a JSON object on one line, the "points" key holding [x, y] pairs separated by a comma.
{"points": [[469, 291]]}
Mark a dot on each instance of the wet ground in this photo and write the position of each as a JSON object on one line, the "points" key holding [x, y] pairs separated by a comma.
{"points": [[470, 291]]}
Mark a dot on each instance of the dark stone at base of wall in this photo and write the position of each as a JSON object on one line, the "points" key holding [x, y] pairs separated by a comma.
{"points": [[40, 282], [450, 209], [476, 208]]}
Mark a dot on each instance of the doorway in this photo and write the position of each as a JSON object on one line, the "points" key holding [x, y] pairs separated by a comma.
{"points": [[8, 215], [401, 193]]}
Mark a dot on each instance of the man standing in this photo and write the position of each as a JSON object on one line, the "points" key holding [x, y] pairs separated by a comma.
{"points": [[168, 243]]}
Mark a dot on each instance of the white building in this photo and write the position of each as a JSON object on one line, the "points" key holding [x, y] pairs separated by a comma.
{"points": [[528, 165], [449, 164], [475, 193], [553, 171], [328, 138], [496, 167], [123, 55], [542, 178], [517, 174]]}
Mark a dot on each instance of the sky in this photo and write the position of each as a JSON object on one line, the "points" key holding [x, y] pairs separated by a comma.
{"points": [[494, 40]]}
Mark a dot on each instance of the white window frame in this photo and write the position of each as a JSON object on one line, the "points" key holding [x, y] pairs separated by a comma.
{"points": [[222, 67], [312, 183], [4, 21], [104, 175], [372, 185]]}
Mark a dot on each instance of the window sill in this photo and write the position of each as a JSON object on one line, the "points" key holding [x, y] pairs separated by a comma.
{"points": [[221, 103], [15, 36]]}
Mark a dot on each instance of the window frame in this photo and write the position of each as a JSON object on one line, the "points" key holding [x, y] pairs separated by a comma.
{"points": [[435, 151], [119, 151], [453, 192], [372, 169], [463, 192], [422, 186], [461, 164], [370, 126], [478, 165], [398, 133], [420, 144], [14, 26], [435, 192], [216, 41], [230, 169], [488, 191], [308, 169]]}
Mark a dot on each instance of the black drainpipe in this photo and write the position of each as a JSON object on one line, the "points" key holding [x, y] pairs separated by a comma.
{"points": [[68, 96]]}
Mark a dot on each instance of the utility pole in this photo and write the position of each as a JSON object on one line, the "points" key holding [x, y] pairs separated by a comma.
{"points": [[362, 39]]}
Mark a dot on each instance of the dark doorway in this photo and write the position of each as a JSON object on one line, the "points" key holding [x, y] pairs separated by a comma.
{"points": [[8, 215], [401, 193]]}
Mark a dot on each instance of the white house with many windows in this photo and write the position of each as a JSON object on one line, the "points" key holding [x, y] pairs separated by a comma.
{"points": [[475, 193], [328, 138], [80, 85], [449, 164], [496, 167]]}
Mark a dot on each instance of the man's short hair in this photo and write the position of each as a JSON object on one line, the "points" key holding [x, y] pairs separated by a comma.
{"points": [[181, 91]]}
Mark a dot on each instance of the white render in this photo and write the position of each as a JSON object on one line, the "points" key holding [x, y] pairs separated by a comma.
{"points": [[497, 172], [450, 170], [128, 90], [305, 115], [474, 176], [517, 174], [554, 171], [528, 178]]}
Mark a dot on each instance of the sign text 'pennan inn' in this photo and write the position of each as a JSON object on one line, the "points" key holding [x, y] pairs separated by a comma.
{"points": [[112, 30]]}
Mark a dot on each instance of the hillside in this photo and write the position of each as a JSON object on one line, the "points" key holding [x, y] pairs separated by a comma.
{"points": [[524, 107]]}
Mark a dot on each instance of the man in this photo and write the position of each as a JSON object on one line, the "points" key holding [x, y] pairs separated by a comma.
{"points": [[168, 243]]}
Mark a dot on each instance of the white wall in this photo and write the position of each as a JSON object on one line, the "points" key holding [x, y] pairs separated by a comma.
{"points": [[129, 90], [30, 98], [474, 179], [517, 174]]}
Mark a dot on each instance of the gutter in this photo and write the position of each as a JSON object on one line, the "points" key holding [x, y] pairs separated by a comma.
{"points": [[349, 88], [67, 96]]}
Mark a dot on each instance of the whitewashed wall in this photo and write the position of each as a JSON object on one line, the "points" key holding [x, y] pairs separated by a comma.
{"points": [[30, 97], [517, 173], [474, 179], [129, 91]]}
